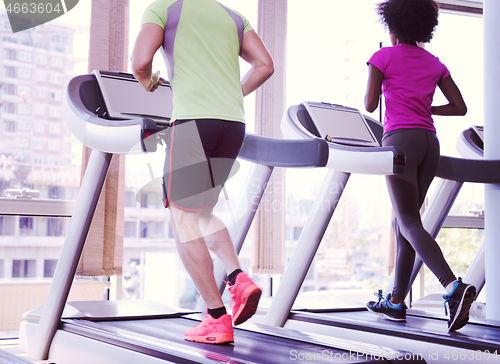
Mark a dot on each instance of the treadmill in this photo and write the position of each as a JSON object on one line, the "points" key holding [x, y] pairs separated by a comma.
{"points": [[9, 358], [423, 332], [147, 332]]}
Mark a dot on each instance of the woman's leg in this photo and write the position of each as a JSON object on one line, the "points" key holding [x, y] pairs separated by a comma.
{"points": [[407, 192], [405, 258]]}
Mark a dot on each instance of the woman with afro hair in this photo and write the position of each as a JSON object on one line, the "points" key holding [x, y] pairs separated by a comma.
{"points": [[407, 75]]}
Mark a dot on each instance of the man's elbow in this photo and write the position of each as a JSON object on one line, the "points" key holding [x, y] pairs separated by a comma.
{"points": [[139, 66], [269, 68], [463, 110]]}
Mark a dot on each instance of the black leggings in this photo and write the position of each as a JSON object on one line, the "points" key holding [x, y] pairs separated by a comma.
{"points": [[407, 192]]}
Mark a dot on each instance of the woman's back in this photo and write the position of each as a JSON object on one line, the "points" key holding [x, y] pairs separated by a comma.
{"points": [[411, 75]]}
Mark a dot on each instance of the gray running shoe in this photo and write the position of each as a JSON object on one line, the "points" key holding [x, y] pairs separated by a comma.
{"points": [[385, 308], [459, 301]]}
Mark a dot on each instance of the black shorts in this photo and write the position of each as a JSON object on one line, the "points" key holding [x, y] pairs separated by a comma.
{"points": [[199, 158]]}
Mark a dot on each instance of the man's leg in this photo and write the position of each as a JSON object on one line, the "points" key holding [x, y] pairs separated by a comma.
{"points": [[216, 327], [245, 294], [218, 240], [195, 256]]}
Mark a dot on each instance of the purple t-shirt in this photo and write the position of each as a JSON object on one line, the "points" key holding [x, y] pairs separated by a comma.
{"points": [[411, 75]]}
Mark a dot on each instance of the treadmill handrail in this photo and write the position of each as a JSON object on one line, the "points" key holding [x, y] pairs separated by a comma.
{"points": [[257, 149], [106, 135], [284, 152], [469, 170], [470, 145], [473, 167]]}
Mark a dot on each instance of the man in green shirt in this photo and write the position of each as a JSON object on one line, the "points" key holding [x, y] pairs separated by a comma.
{"points": [[202, 41]]}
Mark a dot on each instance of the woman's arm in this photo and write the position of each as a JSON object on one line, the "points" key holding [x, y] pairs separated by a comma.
{"points": [[256, 54], [373, 88], [456, 104], [149, 39]]}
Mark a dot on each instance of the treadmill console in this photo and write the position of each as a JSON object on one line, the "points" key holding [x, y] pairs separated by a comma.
{"points": [[340, 124]]}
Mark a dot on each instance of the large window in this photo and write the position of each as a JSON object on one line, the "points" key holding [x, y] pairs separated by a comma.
{"points": [[328, 43], [327, 62], [39, 158]]}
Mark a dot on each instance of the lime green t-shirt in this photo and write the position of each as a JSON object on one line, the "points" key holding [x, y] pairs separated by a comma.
{"points": [[202, 44]]}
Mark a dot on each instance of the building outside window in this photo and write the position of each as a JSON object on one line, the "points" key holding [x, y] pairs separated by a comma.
{"points": [[24, 268], [40, 76], [10, 54], [25, 56], [9, 126], [41, 59], [24, 74], [29, 158], [9, 72]]}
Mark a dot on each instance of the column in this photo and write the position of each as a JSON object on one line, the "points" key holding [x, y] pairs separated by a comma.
{"points": [[491, 14], [268, 256], [108, 51]]}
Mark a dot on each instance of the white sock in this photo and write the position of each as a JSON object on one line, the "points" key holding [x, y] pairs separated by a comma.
{"points": [[449, 287]]}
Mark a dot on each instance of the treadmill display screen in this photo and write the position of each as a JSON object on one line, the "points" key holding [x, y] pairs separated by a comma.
{"points": [[341, 124], [125, 97]]}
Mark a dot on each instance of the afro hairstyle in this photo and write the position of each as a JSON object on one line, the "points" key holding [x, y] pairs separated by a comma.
{"points": [[410, 20]]}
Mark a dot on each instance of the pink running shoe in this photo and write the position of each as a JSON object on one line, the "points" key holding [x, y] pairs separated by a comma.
{"points": [[212, 331], [245, 297]]}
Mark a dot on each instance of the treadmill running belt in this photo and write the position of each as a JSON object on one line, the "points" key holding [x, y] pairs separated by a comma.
{"points": [[432, 329], [164, 338], [8, 358]]}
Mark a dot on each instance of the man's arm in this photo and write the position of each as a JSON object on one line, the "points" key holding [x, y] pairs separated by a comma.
{"points": [[256, 54], [149, 39]]}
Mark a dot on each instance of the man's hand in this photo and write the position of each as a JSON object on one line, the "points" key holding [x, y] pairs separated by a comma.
{"points": [[155, 82]]}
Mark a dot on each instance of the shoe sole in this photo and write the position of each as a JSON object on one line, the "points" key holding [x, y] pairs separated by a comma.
{"points": [[212, 338], [462, 317], [386, 316], [251, 296]]}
